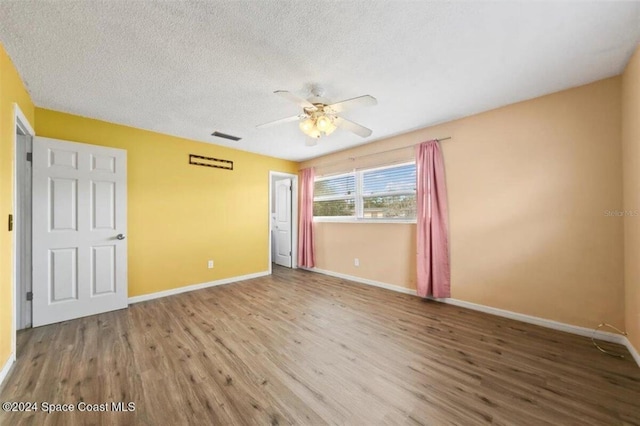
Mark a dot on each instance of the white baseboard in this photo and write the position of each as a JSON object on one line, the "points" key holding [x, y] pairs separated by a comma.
{"points": [[633, 351], [193, 287], [392, 287], [6, 368], [574, 329], [556, 325]]}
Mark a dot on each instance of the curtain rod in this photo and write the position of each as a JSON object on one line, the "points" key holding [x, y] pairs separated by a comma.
{"points": [[375, 153]]}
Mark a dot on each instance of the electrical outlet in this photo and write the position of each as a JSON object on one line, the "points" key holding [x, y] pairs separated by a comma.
{"points": [[210, 264], [356, 262]]}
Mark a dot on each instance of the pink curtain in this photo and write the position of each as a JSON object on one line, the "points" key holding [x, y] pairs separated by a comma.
{"points": [[306, 256], [434, 274]]}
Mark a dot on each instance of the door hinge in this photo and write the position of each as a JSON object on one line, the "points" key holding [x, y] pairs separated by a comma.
{"points": [[10, 222], [29, 156], [29, 295], [289, 253]]}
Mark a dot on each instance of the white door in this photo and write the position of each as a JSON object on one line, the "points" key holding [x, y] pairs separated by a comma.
{"points": [[283, 222], [79, 228]]}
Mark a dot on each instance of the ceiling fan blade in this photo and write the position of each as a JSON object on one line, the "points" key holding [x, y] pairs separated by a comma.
{"points": [[282, 120], [295, 99], [360, 101], [311, 141], [353, 127]]}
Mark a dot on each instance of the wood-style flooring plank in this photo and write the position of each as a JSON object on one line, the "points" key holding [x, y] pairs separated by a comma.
{"points": [[302, 348]]}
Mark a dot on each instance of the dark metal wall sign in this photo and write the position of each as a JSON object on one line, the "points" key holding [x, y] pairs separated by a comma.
{"points": [[199, 160]]}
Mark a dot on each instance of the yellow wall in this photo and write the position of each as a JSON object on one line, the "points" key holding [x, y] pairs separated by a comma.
{"points": [[631, 164], [180, 215], [12, 91], [528, 187]]}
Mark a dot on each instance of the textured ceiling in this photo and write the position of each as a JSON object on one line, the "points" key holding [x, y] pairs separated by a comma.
{"points": [[188, 68]]}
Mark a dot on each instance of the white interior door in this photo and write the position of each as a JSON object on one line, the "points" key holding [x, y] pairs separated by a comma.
{"points": [[79, 227], [283, 223]]}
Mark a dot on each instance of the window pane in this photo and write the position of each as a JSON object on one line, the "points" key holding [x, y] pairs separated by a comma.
{"points": [[338, 186], [392, 206], [334, 208], [392, 179]]}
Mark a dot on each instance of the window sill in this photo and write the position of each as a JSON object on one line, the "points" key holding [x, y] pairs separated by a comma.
{"points": [[356, 220]]}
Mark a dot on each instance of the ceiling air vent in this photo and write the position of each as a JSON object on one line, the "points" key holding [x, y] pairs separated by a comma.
{"points": [[225, 136]]}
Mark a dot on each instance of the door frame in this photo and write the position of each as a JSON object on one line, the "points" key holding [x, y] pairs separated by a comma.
{"points": [[274, 176], [20, 123]]}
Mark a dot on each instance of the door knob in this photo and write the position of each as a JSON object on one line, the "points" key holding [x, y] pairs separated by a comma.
{"points": [[120, 236]]}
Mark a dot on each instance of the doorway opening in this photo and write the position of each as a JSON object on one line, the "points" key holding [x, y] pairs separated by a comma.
{"points": [[23, 140], [283, 219]]}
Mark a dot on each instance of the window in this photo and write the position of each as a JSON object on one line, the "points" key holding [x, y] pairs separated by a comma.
{"points": [[380, 193], [389, 192], [335, 196]]}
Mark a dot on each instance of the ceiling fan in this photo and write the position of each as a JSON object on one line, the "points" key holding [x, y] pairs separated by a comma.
{"points": [[319, 117]]}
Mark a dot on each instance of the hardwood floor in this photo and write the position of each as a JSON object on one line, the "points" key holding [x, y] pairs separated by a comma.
{"points": [[303, 348]]}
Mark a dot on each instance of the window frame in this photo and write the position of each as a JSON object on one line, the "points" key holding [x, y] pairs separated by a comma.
{"points": [[359, 197]]}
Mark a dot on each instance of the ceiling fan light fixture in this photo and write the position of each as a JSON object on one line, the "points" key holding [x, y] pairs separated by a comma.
{"points": [[321, 118], [330, 129], [307, 125], [314, 133], [323, 123]]}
